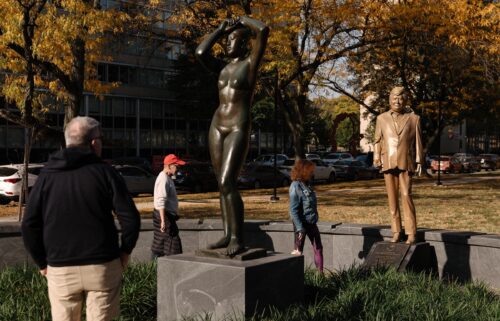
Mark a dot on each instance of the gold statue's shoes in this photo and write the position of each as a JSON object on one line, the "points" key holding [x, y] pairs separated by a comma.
{"points": [[396, 237], [411, 239]]}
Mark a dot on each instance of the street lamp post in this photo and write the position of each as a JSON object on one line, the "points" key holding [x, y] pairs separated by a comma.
{"points": [[274, 197], [438, 182]]}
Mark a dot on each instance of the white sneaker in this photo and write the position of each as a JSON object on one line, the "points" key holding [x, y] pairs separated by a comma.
{"points": [[295, 252]]}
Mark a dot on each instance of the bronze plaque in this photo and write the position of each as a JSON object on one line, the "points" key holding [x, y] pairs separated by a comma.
{"points": [[386, 254]]}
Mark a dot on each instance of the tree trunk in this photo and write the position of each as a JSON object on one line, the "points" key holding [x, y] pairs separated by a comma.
{"points": [[27, 118], [23, 195], [76, 86], [295, 122]]}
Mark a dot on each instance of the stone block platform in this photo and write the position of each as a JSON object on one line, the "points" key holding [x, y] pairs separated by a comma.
{"points": [[191, 286]]}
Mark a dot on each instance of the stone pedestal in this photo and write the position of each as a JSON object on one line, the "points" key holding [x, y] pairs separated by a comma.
{"points": [[190, 286]]}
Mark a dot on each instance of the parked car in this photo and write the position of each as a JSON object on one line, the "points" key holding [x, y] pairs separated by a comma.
{"points": [[448, 164], [429, 159], [133, 161], [138, 180], [365, 158], [196, 177], [11, 180], [489, 161], [355, 170], [331, 158], [469, 162], [322, 171], [257, 176], [312, 156], [268, 159]]}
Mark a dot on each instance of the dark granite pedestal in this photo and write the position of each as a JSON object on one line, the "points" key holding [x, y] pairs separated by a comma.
{"points": [[190, 285]]}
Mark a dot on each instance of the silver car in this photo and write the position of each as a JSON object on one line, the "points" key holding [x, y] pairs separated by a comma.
{"points": [[332, 158], [268, 159]]}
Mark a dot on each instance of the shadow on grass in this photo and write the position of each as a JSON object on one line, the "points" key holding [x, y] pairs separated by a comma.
{"points": [[382, 294]]}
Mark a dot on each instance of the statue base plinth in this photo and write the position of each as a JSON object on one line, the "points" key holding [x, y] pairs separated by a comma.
{"points": [[191, 286]]}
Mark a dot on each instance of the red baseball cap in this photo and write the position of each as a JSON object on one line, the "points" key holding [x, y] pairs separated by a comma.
{"points": [[172, 159]]}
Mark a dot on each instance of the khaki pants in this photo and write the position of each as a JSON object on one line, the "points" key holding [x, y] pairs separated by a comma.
{"points": [[396, 181], [99, 284]]}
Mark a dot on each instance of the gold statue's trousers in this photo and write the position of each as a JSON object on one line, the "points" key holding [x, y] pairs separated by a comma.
{"points": [[400, 181]]}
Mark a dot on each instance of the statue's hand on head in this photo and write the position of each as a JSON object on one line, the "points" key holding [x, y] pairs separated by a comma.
{"points": [[223, 25], [229, 25]]}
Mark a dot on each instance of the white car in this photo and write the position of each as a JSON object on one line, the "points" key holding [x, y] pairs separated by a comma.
{"points": [[312, 156], [322, 172], [11, 180]]}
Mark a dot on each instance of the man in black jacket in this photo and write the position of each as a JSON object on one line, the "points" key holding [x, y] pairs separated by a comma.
{"points": [[69, 228]]}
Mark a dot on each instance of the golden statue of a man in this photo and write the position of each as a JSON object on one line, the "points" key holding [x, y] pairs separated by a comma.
{"points": [[398, 152]]}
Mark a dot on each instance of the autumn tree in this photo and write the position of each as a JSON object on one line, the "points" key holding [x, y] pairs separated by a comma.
{"points": [[25, 98], [444, 52], [49, 51], [68, 39], [341, 115], [308, 40]]}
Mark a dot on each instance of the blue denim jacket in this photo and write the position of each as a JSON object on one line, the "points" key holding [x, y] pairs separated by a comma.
{"points": [[303, 205]]}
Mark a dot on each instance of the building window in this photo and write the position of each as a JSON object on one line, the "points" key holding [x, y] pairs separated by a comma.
{"points": [[93, 106], [118, 107], [113, 73]]}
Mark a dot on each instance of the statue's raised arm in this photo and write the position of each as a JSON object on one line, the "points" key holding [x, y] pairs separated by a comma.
{"points": [[252, 29], [260, 32], [203, 53]]}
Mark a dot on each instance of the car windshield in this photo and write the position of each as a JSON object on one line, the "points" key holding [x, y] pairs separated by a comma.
{"points": [[333, 156], [7, 171], [263, 158]]}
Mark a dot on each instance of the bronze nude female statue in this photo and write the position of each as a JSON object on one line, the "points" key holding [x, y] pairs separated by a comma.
{"points": [[229, 132]]}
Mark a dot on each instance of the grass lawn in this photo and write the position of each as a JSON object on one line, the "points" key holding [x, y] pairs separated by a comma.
{"points": [[472, 206], [468, 207]]}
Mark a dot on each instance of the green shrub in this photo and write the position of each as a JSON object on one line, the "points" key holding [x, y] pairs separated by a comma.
{"points": [[138, 295], [384, 294], [353, 294], [23, 295]]}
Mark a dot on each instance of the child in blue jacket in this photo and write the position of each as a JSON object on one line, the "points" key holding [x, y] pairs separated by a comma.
{"points": [[304, 212]]}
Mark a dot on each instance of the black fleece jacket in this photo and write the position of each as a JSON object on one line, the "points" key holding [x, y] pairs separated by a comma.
{"points": [[69, 216]]}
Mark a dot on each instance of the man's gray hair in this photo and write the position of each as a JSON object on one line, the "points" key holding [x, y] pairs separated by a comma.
{"points": [[399, 91], [81, 130]]}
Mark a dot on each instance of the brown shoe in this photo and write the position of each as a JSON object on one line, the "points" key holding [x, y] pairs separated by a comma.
{"points": [[411, 239], [396, 237]]}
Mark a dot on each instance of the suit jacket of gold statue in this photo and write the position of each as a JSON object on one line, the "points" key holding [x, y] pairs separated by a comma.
{"points": [[398, 145]]}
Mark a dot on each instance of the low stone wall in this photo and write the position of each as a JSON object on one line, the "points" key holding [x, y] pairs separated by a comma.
{"points": [[461, 255]]}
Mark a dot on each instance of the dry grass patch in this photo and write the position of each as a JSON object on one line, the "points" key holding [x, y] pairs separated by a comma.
{"points": [[465, 206], [472, 206]]}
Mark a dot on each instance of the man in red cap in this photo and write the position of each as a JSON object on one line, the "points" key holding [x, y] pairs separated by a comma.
{"points": [[166, 239]]}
